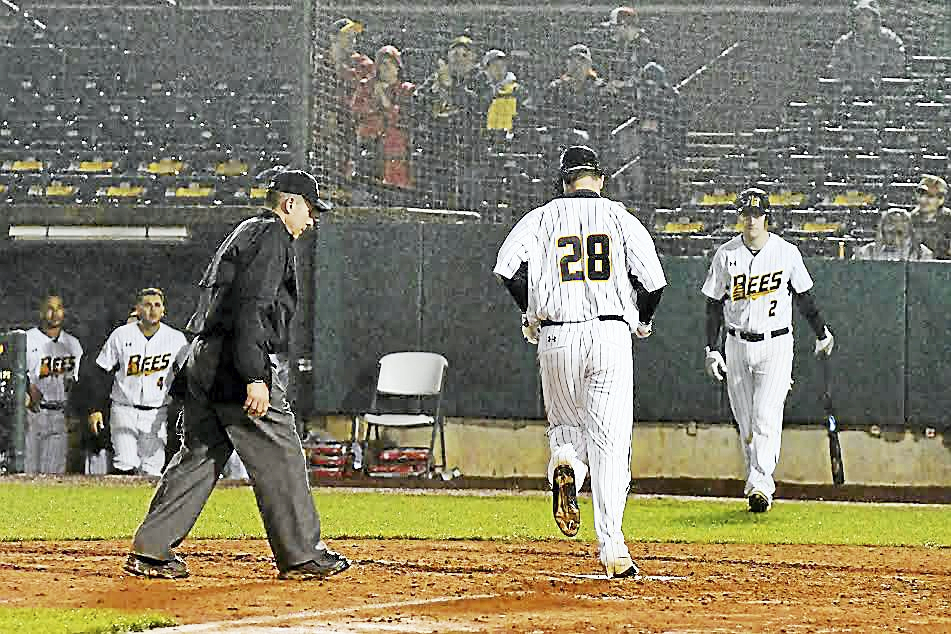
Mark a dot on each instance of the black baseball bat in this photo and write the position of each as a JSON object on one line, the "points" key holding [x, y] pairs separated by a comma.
{"points": [[832, 427]]}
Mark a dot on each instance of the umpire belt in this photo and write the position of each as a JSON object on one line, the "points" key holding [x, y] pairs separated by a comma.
{"points": [[546, 322], [757, 336]]}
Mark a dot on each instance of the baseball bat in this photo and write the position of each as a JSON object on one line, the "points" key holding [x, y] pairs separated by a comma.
{"points": [[832, 427]]}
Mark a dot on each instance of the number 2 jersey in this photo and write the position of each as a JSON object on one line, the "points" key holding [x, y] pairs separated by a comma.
{"points": [[581, 250], [757, 289], [52, 363], [143, 365]]}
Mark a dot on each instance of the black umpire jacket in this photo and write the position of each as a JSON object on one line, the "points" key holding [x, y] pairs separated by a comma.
{"points": [[248, 298]]}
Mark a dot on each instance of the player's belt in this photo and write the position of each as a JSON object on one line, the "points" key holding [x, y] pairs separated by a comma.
{"points": [[546, 322], [146, 407], [757, 336], [53, 406]]}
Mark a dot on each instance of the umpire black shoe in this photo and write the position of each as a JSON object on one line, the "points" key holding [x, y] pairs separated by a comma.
{"points": [[327, 563], [156, 568], [564, 500], [758, 502]]}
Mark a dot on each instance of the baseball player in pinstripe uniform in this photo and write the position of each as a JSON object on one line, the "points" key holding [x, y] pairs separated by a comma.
{"points": [[752, 283], [52, 361], [586, 275], [141, 355]]}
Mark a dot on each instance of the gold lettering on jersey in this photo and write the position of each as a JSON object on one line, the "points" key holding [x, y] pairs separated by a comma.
{"points": [[54, 366], [148, 365], [754, 286]]}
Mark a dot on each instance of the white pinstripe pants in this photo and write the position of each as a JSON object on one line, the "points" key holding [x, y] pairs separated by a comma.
{"points": [[587, 372], [758, 379]]}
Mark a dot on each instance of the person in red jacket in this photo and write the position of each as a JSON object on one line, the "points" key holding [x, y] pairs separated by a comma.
{"points": [[380, 108]]}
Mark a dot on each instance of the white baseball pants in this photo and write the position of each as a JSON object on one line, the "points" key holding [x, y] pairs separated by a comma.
{"points": [[138, 438], [587, 372]]}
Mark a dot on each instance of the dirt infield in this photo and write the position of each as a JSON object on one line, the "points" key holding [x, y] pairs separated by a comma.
{"points": [[464, 586]]}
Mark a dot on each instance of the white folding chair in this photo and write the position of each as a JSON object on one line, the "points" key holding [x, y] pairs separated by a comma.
{"points": [[409, 394]]}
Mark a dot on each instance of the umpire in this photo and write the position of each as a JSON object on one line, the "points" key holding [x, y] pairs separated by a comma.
{"points": [[236, 375]]}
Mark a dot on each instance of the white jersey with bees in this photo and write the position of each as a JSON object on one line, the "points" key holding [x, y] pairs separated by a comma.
{"points": [[52, 363], [142, 365], [757, 288]]}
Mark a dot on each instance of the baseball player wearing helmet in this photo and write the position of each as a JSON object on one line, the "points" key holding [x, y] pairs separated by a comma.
{"points": [[140, 355], [752, 283], [237, 378], [586, 275]]}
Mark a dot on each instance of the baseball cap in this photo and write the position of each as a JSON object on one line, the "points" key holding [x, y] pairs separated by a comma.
{"points": [[462, 40], [492, 55], [301, 183], [392, 52], [580, 50], [932, 185], [621, 15], [868, 5], [579, 157], [346, 25], [753, 201]]}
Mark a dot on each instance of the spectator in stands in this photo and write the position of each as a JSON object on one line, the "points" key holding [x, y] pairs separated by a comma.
{"points": [[503, 96], [897, 240], [347, 68], [577, 99], [631, 48], [932, 220], [869, 51], [447, 103], [381, 107], [650, 148]]}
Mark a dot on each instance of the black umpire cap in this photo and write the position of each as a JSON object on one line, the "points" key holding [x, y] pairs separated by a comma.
{"points": [[302, 183], [579, 157]]}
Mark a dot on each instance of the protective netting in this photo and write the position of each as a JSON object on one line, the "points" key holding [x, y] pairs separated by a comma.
{"points": [[468, 106]]}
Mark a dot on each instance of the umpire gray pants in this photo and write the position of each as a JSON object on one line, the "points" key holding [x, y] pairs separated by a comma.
{"points": [[270, 449]]}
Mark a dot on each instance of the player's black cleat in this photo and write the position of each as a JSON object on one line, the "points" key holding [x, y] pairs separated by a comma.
{"points": [[564, 500], [156, 568], [758, 502], [327, 563], [630, 572]]}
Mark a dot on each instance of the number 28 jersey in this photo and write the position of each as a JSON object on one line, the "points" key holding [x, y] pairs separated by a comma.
{"points": [[757, 289], [580, 250]]}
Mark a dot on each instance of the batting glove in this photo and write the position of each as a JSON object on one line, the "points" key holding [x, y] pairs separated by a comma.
{"points": [[824, 345], [715, 365], [643, 331], [530, 330]]}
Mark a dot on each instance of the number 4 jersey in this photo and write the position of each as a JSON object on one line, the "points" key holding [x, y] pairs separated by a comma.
{"points": [[757, 289], [582, 253], [143, 365]]}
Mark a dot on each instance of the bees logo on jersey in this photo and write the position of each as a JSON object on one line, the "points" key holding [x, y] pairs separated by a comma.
{"points": [[752, 286], [148, 365], [52, 366]]}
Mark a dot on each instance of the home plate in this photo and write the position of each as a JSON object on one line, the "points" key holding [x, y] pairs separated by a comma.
{"points": [[603, 577]]}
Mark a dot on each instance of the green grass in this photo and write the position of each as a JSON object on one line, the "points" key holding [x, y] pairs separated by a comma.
{"points": [[76, 621], [58, 512]]}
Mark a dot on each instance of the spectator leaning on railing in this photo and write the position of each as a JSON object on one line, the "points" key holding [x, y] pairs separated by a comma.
{"points": [[896, 240], [577, 99], [381, 108], [345, 67], [631, 47], [931, 219], [869, 51]]}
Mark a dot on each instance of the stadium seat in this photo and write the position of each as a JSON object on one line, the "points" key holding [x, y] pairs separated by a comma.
{"points": [[816, 222], [190, 193], [686, 221]]}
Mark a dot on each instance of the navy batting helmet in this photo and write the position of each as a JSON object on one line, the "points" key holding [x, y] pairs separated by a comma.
{"points": [[753, 201], [579, 157]]}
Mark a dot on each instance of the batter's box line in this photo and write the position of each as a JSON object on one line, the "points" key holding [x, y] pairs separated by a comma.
{"points": [[449, 570], [285, 619], [604, 577]]}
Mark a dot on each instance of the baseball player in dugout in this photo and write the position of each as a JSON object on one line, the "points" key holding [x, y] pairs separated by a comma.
{"points": [[139, 355], [52, 358], [753, 281], [585, 274], [236, 373]]}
